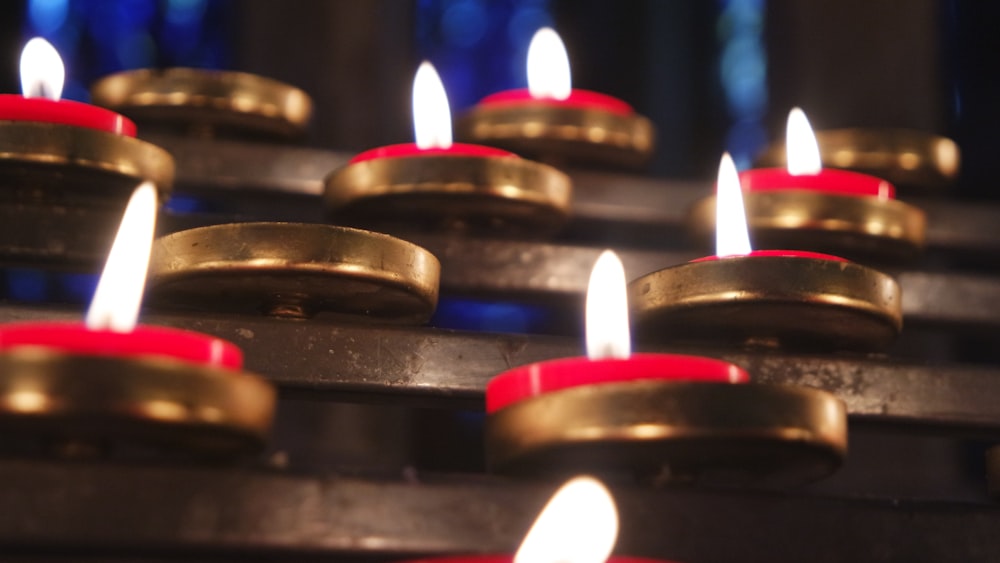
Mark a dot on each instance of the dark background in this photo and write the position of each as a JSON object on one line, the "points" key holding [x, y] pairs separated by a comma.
{"points": [[713, 75]]}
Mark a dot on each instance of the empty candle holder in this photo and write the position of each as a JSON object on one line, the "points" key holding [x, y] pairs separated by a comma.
{"points": [[207, 103], [295, 270]]}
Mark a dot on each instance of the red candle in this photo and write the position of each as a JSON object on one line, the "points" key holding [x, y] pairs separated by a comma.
{"points": [[608, 348], [110, 329], [432, 125], [805, 171], [732, 238], [142, 342], [411, 149], [549, 81], [42, 75]]}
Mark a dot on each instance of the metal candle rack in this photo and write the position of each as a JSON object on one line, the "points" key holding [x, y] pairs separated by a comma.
{"points": [[921, 417]]}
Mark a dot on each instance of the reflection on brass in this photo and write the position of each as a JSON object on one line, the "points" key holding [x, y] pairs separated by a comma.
{"points": [[853, 227], [561, 134], [295, 270], [495, 194], [206, 100], [63, 398], [905, 157], [800, 303], [65, 164], [684, 430]]}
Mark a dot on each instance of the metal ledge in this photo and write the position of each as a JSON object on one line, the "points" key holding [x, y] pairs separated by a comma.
{"points": [[645, 209], [107, 509], [447, 368]]}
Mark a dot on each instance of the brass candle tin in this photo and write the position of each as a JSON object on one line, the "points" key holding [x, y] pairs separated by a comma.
{"points": [[560, 134], [787, 302], [71, 184], [206, 103], [63, 164], [857, 227], [295, 270], [907, 158], [502, 194], [677, 430], [64, 399]]}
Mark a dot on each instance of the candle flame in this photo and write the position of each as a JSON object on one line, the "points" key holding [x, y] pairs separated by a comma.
{"points": [[578, 525], [118, 296], [607, 310], [42, 70], [731, 235], [431, 114], [801, 148], [548, 66]]}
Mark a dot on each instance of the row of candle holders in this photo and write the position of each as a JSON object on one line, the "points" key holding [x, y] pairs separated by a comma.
{"points": [[614, 412]]}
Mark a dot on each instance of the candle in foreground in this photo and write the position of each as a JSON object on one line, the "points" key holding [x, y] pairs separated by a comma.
{"points": [[110, 329], [42, 77], [610, 359]]}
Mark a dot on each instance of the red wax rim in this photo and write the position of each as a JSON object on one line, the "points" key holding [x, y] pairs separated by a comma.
{"points": [[777, 254], [64, 112], [510, 559], [545, 377], [841, 182], [153, 341], [580, 99], [411, 149]]}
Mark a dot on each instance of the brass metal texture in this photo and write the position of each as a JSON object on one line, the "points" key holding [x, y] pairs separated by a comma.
{"points": [[562, 135], [854, 227], [679, 430], [52, 163], [63, 398], [452, 193], [905, 157], [798, 303], [206, 101], [295, 270]]}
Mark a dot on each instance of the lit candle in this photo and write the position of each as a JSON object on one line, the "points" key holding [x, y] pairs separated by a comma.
{"points": [[609, 352], [550, 83], [805, 171], [431, 124], [555, 121], [766, 297], [579, 524], [110, 329], [440, 185], [42, 76]]}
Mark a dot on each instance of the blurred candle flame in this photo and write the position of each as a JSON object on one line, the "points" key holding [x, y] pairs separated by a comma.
{"points": [[731, 236], [801, 148], [116, 302], [42, 70], [548, 66], [578, 525], [607, 310], [431, 113]]}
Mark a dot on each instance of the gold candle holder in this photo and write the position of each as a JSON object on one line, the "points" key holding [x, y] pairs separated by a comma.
{"points": [[496, 194], [907, 158], [561, 134], [206, 103], [62, 398], [295, 270], [681, 430], [773, 301]]}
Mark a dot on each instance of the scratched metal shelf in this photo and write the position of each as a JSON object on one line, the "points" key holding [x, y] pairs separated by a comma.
{"points": [[109, 512], [432, 367], [634, 207]]}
